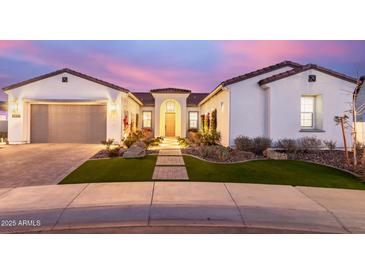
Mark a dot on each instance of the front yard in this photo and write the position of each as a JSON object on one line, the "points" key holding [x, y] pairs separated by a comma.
{"points": [[113, 170], [281, 172]]}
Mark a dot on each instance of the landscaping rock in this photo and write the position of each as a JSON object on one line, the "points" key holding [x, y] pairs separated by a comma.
{"points": [[134, 151], [275, 155], [140, 144], [121, 151]]}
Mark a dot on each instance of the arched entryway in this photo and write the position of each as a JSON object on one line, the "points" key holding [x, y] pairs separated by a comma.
{"points": [[170, 118]]}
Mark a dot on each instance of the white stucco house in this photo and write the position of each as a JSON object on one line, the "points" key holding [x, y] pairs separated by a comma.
{"points": [[285, 100]]}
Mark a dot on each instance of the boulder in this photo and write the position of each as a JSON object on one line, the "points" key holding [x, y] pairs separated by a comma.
{"points": [[275, 155], [121, 151], [134, 151], [140, 144]]}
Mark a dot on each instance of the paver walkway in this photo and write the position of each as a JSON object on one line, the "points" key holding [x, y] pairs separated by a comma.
{"points": [[181, 204], [170, 164]]}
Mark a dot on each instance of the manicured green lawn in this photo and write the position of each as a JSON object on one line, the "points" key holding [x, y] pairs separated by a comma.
{"points": [[272, 172], [113, 170]]}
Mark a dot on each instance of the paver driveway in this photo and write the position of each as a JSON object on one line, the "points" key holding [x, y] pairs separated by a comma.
{"points": [[41, 164]]}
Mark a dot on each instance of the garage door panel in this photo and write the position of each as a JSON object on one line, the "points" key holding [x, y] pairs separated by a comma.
{"points": [[68, 123]]}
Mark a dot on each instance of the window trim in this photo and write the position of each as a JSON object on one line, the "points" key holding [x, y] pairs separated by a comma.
{"points": [[197, 119], [143, 125], [313, 126], [173, 103]]}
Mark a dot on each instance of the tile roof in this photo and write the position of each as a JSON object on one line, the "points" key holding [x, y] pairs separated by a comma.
{"points": [[260, 71], [70, 71], [170, 90], [148, 100], [304, 68], [145, 97], [195, 98]]}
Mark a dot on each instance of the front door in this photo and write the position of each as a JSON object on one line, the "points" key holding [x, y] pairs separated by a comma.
{"points": [[170, 124]]}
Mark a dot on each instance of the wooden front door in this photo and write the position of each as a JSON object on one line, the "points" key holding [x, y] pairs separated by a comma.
{"points": [[170, 124]]}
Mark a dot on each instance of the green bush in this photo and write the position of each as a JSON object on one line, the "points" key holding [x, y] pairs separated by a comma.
{"points": [[182, 142], [289, 145], [210, 138]]}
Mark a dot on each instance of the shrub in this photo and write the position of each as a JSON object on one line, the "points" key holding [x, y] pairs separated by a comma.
{"points": [[359, 146], [114, 152], [244, 143], [107, 143], [211, 138], [182, 142], [129, 140], [156, 141], [289, 145], [216, 152], [331, 145], [260, 144], [309, 143], [194, 138], [147, 133]]}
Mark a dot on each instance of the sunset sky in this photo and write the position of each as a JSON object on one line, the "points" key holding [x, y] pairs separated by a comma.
{"points": [[195, 65]]}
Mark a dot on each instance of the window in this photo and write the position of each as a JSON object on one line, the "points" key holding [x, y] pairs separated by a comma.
{"points": [[193, 119], [64, 79], [147, 119], [307, 111], [170, 106]]}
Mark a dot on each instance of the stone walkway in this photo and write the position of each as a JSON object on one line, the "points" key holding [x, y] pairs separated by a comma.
{"points": [[170, 163]]}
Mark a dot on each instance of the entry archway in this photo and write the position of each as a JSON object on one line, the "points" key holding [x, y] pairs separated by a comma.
{"points": [[170, 118]]}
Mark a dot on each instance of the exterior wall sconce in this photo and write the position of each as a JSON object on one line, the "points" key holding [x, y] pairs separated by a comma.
{"points": [[14, 109], [113, 107]]}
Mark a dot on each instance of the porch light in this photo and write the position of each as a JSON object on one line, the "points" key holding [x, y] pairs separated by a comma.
{"points": [[113, 107], [14, 108]]}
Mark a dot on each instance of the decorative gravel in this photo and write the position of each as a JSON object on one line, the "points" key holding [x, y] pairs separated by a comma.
{"points": [[335, 158]]}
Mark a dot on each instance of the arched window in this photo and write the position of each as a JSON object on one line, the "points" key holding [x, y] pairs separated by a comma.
{"points": [[170, 106]]}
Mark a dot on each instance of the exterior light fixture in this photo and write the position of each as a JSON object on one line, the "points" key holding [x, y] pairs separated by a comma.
{"points": [[113, 107]]}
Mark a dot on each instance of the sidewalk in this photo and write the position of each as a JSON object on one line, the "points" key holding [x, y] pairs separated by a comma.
{"points": [[182, 204]]}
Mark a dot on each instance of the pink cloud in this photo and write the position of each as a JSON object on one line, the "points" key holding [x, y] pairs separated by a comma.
{"points": [[128, 74], [261, 53]]}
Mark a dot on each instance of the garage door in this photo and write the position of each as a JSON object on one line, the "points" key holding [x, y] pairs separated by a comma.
{"points": [[68, 123]]}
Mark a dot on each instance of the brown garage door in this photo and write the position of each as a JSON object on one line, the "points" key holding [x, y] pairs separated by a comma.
{"points": [[68, 123]]}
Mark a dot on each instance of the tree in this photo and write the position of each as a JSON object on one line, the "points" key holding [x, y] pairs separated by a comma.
{"points": [[342, 120], [213, 124]]}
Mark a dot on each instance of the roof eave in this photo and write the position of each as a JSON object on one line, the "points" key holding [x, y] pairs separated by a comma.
{"points": [[210, 95], [135, 98]]}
